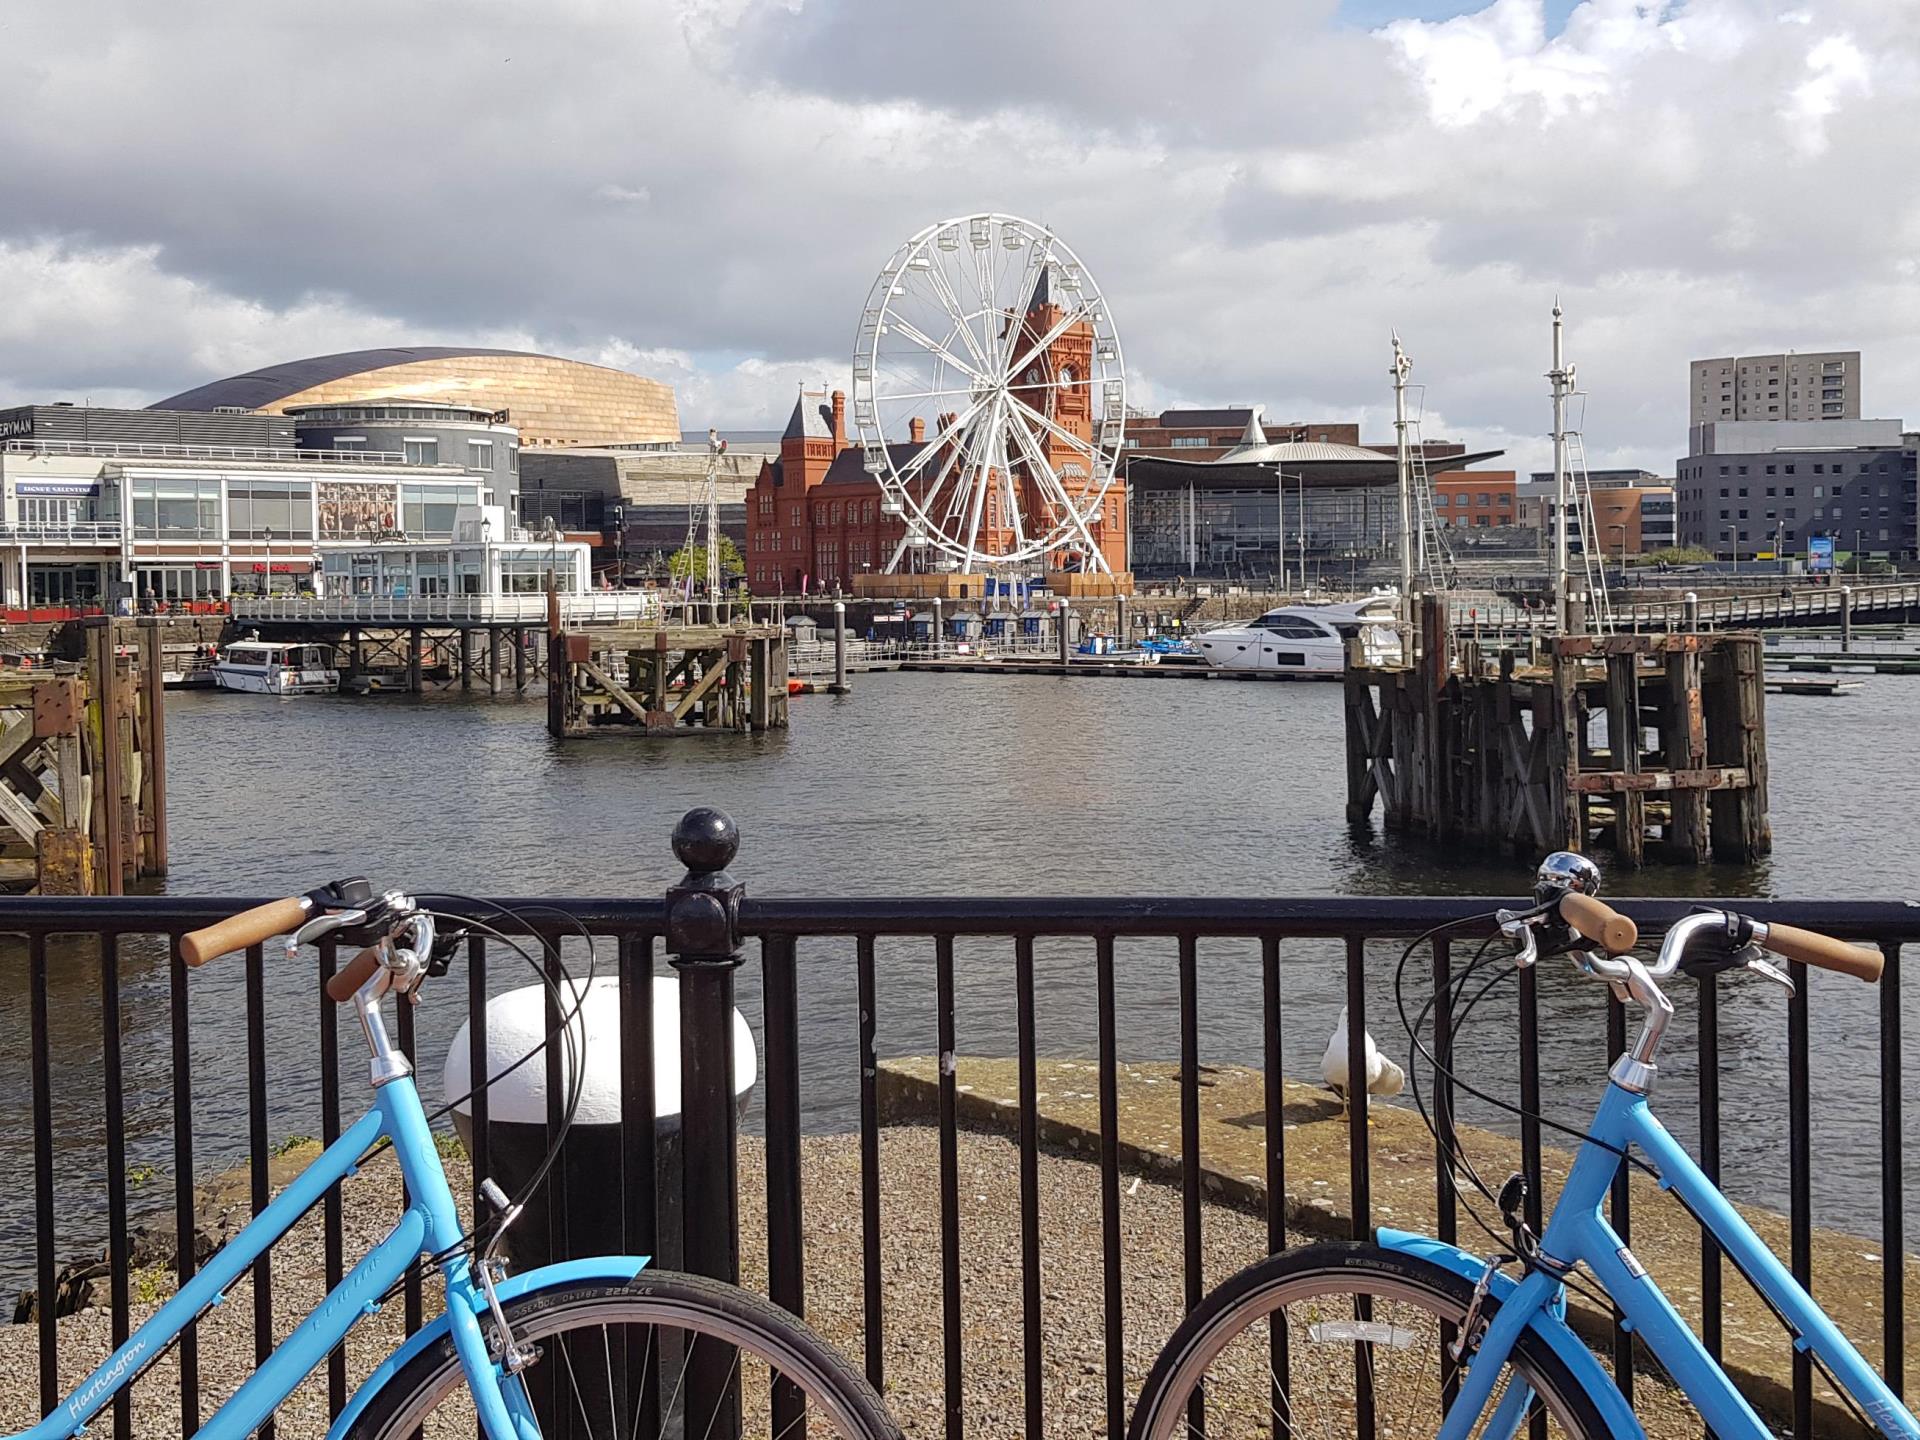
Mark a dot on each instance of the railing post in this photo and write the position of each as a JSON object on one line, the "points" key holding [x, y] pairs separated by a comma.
{"points": [[1846, 618], [703, 937]]}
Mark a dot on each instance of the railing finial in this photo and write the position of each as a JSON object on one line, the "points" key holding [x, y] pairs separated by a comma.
{"points": [[705, 841]]}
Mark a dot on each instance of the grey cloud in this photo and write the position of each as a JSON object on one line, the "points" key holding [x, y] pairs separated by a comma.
{"points": [[1262, 192]]}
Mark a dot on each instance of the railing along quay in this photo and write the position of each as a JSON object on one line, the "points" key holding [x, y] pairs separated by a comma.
{"points": [[706, 928]]}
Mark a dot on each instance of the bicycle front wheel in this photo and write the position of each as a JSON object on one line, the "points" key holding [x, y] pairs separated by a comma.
{"points": [[665, 1355], [1340, 1340]]}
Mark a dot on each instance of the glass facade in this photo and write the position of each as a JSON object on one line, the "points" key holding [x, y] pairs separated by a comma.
{"points": [[1180, 531], [427, 511], [283, 506], [182, 508]]}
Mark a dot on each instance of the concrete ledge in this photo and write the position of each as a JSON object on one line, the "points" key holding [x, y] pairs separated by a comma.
{"points": [[1233, 1153]]}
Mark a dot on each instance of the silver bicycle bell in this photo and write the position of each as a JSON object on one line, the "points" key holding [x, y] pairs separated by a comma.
{"points": [[1563, 871]]}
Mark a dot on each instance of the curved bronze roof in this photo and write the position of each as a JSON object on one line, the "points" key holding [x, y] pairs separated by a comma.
{"points": [[260, 388]]}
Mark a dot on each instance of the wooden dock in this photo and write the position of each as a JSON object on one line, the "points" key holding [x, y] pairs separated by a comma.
{"points": [[1460, 748], [1095, 670], [664, 680]]}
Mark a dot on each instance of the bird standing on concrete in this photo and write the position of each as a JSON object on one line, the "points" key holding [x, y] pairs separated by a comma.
{"points": [[1378, 1075]]}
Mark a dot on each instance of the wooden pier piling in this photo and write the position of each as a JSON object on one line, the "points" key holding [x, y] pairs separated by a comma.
{"points": [[667, 680], [83, 767], [1506, 757]]}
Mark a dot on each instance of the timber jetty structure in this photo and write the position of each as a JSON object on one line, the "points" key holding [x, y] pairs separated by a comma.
{"points": [[1500, 750]]}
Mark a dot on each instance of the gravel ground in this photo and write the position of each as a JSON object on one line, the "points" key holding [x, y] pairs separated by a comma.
{"points": [[1073, 1348]]}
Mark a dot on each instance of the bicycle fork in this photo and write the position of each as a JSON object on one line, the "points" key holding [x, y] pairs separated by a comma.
{"points": [[1484, 1361]]}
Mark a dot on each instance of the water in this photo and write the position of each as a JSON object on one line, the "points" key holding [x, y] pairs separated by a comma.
{"points": [[928, 785]]}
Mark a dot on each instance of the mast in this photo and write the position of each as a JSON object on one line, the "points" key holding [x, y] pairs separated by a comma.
{"points": [[1562, 378], [716, 447], [1402, 366]]}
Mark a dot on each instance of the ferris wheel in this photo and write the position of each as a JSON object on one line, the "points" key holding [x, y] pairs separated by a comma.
{"points": [[990, 396]]}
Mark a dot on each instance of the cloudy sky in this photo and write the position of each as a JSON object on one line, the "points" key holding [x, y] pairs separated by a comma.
{"points": [[702, 190]]}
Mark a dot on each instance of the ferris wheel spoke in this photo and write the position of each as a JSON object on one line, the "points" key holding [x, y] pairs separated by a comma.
{"points": [[893, 396], [928, 343], [1085, 447], [1051, 481], [959, 424], [1039, 347], [959, 313]]}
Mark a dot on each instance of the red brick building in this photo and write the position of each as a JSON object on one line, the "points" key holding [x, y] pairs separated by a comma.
{"points": [[1476, 499], [817, 518]]}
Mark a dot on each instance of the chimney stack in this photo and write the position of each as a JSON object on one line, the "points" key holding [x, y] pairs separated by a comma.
{"points": [[839, 419], [917, 430]]}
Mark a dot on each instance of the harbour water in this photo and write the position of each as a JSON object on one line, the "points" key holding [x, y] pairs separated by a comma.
{"points": [[918, 784]]}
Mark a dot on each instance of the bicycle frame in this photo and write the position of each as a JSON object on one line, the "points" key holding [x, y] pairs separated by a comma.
{"points": [[1578, 1232], [431, 1224]]}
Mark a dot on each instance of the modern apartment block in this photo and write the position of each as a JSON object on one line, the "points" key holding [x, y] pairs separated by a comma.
{"points": [[1755, 488], [1816, 385]]}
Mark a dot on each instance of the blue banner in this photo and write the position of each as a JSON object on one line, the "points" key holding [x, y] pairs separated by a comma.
{"points": [[1819, 554]]}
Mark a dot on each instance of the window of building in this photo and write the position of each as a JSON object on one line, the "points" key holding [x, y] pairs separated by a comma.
{"points": [[799, 515], [349, 442], [1483, 499], [421, 450], [184, 508], [1769, 471], [480, 455], [283, 506], [427, 511], [1189, 442]]}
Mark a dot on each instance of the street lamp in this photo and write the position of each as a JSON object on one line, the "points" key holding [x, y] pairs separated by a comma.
{"points": [[266, 582]]}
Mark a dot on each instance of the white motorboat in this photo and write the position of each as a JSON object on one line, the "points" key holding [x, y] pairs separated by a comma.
{"points": [[1305, 639], [265, 667]]}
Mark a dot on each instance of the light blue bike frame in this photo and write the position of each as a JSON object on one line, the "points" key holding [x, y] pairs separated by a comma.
{"points": [[1577, 1232], [430, 1225]]}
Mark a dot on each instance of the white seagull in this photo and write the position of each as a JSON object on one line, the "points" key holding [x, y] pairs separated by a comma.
{"points": [[1379, 1076]]}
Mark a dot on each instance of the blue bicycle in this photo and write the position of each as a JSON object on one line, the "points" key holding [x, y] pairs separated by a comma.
{"points": [[1410, 1337], [590, 1347]]}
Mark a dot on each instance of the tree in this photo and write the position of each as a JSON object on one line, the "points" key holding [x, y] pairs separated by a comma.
{"points": [[692, 560], [1678, 555]]}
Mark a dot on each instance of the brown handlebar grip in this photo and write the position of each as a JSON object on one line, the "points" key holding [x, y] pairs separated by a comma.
{"points": [[1811, 948], [1602, 924], [357, 972], [249, 927]]}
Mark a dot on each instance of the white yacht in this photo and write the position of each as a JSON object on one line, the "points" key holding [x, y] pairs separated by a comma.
{"points": [[265, 667], [1305, 639]]}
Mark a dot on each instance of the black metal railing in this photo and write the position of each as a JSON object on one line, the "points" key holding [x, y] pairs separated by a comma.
{"points": [[75, 960]]}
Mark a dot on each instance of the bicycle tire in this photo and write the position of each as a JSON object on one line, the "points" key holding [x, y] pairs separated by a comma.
{"points": [[835, 1391], [1336, 1270]]}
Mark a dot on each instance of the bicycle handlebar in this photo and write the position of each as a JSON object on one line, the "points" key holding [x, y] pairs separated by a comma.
{"points": [[249, 927], [357, 971], [1810, 947], [1600, 923]]}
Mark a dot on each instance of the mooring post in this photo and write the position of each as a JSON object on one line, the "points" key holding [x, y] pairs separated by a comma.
{"points": [[839, 647], [153, 769], [466, 658], [1690, 613], [520, 661], [1120, 619], [1063, 632], [939, 625], [1846, 618], [702, 934], [413, 661], [356, 661], [112, 875]]}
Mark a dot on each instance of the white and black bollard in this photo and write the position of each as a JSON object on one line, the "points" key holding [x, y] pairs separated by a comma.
{"points": [[588, 1220]]}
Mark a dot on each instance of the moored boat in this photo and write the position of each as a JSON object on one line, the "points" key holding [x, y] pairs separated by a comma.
{"points": [[266, 667], [1305, 639]]}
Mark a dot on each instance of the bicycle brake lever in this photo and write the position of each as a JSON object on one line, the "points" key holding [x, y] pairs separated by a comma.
{"points": [[1760, 965], [1517, 926]]}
